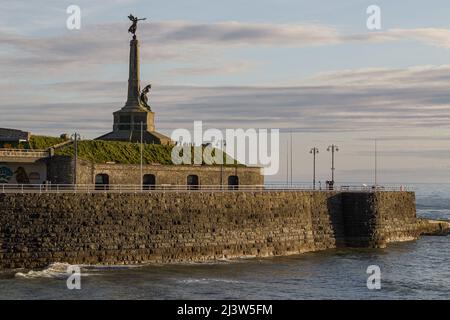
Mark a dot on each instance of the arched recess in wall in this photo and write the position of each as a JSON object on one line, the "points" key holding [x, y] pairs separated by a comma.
{"points": [[102, 181], [149, 182], [192, 181], [233, 182]]}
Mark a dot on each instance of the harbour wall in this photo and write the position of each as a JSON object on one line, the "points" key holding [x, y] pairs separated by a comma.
{"points": [[169, 227]]}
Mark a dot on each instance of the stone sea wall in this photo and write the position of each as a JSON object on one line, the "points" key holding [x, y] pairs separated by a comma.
{"points": [[38, 229], [378, 218]]}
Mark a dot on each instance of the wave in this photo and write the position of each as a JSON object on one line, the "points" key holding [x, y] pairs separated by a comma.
{"points": [[206, 281], [56, 270]]}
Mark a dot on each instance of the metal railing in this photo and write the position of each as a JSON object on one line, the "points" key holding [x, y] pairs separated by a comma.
{"points": [[26, 153], [118, 188]]}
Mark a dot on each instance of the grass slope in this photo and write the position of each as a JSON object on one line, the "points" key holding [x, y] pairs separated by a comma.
{"points": [[36, 142], [98, 151], [44, 142]]}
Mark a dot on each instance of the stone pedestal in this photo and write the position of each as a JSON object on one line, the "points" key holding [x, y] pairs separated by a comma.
{"points": [[125, 120]]}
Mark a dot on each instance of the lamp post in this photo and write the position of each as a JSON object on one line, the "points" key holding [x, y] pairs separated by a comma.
{"points": [[333, 148], [376, 165], [291, 158], [314, 151], [287, 163], [75, 137], [222, 146], [142, 156]]}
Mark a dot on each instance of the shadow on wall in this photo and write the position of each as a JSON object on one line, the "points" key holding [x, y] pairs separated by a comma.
{"points": [[336, 219]]}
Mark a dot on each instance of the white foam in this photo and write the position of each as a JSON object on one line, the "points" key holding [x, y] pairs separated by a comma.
{"points": [[55, 270], [206, 280]]}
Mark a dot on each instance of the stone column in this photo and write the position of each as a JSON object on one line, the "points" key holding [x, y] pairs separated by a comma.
{"points": [[134, 85]]}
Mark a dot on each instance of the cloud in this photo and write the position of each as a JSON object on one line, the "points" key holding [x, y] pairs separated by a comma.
{"points": [[211, 69], [238, 33], [438, 37], [97, 46], [442, 154], [398, 102], [183, 41], [409, 138], [428, 75], [338, 101]]}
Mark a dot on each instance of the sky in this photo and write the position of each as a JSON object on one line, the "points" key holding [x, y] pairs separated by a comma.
{"points": [[312, 68]]}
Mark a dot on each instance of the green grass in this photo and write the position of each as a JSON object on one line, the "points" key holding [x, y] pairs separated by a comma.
{"points": [[43, 142], [98, 151], [13, 145], [36, 142]]}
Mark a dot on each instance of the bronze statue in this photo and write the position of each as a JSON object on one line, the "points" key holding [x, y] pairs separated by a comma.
{"points": [[133, 27], [144, 98]]}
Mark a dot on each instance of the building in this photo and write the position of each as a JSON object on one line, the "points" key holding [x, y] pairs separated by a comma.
{"points": [[13, 136], [113, 160], [107, 163], [18, 163], [105, 175]]}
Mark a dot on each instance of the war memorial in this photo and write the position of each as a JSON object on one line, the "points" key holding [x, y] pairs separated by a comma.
{"points": [[64, 200], [115, 157]]}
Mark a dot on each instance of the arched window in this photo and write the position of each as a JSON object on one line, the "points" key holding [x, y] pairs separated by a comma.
{"points": [[192, 182], [34, 176], [149, 182], [233, 182], [101, 181]]}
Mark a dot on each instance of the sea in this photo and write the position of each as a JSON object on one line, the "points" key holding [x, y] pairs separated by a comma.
{"points": [[408, 270]]}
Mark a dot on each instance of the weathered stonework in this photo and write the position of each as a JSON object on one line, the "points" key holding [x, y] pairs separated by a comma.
{"points": [[61, 169], [376, 219], [38, 229]]}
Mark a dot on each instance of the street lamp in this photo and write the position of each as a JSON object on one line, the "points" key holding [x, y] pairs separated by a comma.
{"points": [[223, 144], [142, 156], [376, 165], [314, 151], [333, 148]]}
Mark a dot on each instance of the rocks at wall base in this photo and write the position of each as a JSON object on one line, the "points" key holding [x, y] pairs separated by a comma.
{"points": [[433, 227]]}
